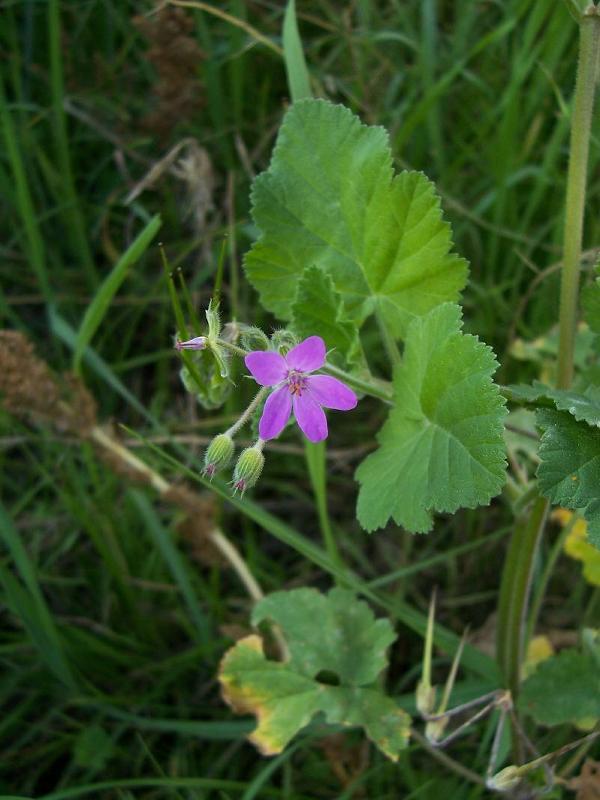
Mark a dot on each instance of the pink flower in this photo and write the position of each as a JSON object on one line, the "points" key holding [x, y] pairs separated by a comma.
{"points": [[295, 387]]}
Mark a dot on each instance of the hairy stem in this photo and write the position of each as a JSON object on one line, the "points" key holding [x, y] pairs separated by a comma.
{"points": [[248, 412], [581, 125]]}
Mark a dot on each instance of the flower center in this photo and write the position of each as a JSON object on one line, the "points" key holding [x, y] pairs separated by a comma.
{"points": [[296, 382]]}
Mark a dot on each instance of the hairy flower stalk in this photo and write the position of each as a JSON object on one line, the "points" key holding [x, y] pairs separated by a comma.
{"points": [[296, 388]]}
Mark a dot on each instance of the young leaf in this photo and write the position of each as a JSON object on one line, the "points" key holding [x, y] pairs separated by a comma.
{"points": [[347, 644], [330, 199], [564, 688], [569, 470], [318, 309], [442, 446]]}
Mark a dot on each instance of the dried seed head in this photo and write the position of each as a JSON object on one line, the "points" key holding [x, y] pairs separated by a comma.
{"points": [[32, 392]]}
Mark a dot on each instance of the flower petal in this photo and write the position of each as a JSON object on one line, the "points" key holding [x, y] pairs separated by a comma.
{"points": [[310, 417], [275, 413], [308, 355], [267, 368], [331, 393]]}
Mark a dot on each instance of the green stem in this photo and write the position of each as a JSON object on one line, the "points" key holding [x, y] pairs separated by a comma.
{"points": [[389, 342], [374, 387], [514, 593], [542, 584], [247, 413], [520, 558], [315, 460], [581, 124]]}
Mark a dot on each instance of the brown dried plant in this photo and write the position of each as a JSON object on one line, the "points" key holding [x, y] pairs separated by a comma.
{"points": [[176, 58], [33, 393]]}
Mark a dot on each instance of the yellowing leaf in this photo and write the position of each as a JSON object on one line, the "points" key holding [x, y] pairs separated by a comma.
{"points": [[326, 672], [576, 545], [538, 650]]}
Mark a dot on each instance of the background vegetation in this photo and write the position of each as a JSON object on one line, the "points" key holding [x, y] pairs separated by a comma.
{"points": [[115, 610]]}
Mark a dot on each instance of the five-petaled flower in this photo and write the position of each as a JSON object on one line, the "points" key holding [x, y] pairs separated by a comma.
{"points": [[295, 387]]}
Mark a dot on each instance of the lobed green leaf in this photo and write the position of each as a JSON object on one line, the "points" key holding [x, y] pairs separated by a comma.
{"points": [[563, 688], [318, 309], [569, 470], [330, 199], [442, 446]]}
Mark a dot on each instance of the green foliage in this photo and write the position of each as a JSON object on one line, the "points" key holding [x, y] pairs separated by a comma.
{"points": [[590, 303], [295, 64], [93, 748], [334, 634], [569, 470], [205, 382], [583, 406], [563, 688], [318, 309], [442, 446], [330, 199], [98, 308]]}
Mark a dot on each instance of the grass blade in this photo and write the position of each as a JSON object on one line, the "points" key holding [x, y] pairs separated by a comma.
{"points": [[175, 562], [99, 306], [28, 604], [295, 64]]}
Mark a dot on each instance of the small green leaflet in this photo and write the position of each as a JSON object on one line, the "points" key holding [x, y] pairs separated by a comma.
{"points": [[348, 643], [564, 688], [442, 446], [584, 406], [318, 309], [330, 199], [569, 470]]}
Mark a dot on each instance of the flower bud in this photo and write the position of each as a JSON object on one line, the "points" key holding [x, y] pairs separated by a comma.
{"points": [[218, 454], [425, 696], [505, 780], [198, 343], [435, 728], [283, 340], [248, 468]]}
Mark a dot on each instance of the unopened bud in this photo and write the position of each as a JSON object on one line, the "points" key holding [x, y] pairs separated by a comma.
{"points": [[218, 454], [425, 696], [434, 730], [198, 343], [505, 780], [283, 339], [248, 468]]}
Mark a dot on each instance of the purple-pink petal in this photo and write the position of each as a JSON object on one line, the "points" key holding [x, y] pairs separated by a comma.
{"points": [[267, 368], [275, 413], [310, 417], [331, 393], [308, 355]]}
